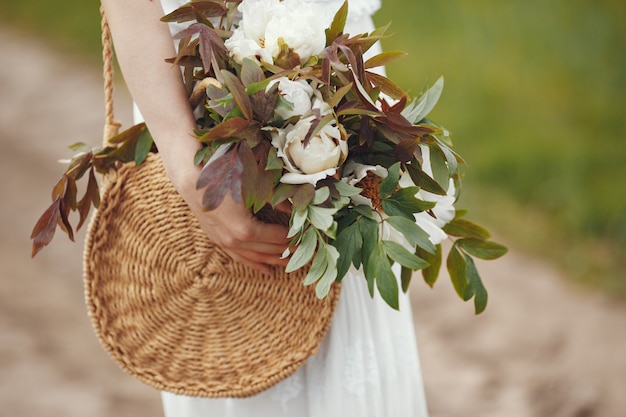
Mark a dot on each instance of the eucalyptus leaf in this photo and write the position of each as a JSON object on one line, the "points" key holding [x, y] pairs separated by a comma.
{"points": [[425, 103], [321, 218], [298, 218], [318, 268], [330, 275], [304, 252]]}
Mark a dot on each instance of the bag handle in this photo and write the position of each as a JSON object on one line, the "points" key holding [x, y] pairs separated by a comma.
{"points": [[111, 126]]}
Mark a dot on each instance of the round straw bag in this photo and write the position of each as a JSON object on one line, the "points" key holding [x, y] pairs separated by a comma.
{"points": [[174, 311]]}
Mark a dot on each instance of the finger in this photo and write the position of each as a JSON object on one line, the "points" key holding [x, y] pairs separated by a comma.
{"points": [[261, 267], [264, 258], [268, 233], [285, 207]]}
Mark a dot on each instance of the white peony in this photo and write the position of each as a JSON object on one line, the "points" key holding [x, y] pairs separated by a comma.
{"points": [[264, 23], [318, 160], [297, 93]]}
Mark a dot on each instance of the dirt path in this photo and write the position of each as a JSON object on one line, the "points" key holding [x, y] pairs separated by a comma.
{"points": [[541, 349]]}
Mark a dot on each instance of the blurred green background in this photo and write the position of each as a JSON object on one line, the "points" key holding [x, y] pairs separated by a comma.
{"points": [[535, 99]]}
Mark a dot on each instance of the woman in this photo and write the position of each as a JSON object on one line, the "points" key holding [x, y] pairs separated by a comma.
{"points": [[367, 364]]}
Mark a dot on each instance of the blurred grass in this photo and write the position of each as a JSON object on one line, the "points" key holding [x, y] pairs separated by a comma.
{"points": [[535, 98]]}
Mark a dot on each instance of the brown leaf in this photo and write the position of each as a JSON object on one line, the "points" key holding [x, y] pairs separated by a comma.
{"points": [[44, 229], [249, 174], [386, 85], [92, 196], [404, 150], [186, 13], [222, 175], [229, 129], [303, 196], [238, 92]]}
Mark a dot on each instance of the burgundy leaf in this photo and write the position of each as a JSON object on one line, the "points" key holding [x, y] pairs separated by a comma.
{"points": [[92, 196], [44, 229], [229, 129], [222, 175], [404, 150]]}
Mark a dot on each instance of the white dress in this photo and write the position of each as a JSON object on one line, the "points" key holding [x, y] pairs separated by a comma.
{"points": [[367, 365]]}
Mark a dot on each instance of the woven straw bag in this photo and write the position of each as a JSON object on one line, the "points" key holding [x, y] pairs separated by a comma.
{"points": [[172, 309]]}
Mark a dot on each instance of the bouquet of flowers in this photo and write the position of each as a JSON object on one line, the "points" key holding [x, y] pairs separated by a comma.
{"points": [[288, 110]]}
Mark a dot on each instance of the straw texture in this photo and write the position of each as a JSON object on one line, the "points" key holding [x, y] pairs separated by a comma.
{"points": [[175, 311]]}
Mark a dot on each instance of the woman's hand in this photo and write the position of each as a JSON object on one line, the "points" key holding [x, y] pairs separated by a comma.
{"points": [[232, 227]]}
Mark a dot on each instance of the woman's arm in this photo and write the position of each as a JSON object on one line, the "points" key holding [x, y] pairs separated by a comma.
{"points": [[142, 42]]}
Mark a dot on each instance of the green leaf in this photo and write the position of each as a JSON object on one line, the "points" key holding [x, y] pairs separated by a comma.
{"points": [[465, 228], [283, 192], [349, 243], [321, 195], [404, 203], [483, 249], [321, 218], [475, 287], [298, 218], [406, 274], [402, 256], [304, 252], [431, 273], [424, 181], [339, 94], [273, 161], [339, 22], [143, 146], [318, 268], [346, 190], [378, 269], [414, 234], [369, 233], [457, 268], [365, 210], [384, 59], [439, 167], [421, 107], [390, 182], [330, 274]]}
